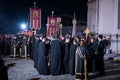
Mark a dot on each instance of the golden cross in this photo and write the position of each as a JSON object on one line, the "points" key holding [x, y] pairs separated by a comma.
{"points": [[87, 31]]}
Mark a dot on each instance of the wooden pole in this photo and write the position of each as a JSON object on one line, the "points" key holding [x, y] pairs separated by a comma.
{"points": [[14, 51], [52, 13], [87, 31], [85, 68], [25, 52], [20, 53], [75, 65], [117, 42]]}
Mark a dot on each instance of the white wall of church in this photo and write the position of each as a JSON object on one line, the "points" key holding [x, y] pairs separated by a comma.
{"points": [[107, 20], [91, 19], [106, 16]]}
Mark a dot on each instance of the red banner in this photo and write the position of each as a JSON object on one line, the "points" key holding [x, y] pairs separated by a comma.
{"points": [[35, 18], [52, 26]]}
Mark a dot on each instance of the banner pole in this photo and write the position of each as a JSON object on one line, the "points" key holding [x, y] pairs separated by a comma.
{"points": [[14, 51], [25, 52], [85, 68]]}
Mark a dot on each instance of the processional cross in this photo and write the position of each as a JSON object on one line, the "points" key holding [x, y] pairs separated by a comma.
{"points": [[87, 31]]}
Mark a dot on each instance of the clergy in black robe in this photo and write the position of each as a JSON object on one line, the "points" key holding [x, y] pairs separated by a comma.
{"points": [[19, 45], [2, 44], [100, 56], [66, 55], [3, 71], [62, 46], [24, 46], [42, 61], [55, 64], [81, 54], [72, 58], [47, 44], [37, 41], [105, 41], [29, 45], [6, 46], [33, 43], [14, 47], [0, 48], [93, 49]]}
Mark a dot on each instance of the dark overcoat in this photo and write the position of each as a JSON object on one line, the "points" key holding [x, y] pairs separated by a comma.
{"points": [[55, 65], [42, 61]]}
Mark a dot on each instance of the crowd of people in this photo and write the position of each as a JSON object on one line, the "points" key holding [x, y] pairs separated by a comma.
{"points": [[58, 55]]}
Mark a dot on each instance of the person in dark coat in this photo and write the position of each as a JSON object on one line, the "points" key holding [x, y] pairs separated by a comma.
{"points": [[105, 41], [3, 71], [29, 45], [0, 48], [92, 47], [81, 55], [6, 46], [2, 44], [42, 61], [37, 41], [33, 41], [14, 47], [62, 47], [100, 56], [24, 46], [47, 45], [66, 55], [55, 64], [72, 57], [37, 53]]}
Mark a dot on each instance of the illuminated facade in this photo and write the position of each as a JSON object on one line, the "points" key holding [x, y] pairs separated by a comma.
{"points": [[104, 18]]}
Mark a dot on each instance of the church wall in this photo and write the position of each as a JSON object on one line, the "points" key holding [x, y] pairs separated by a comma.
{"points": [[106, 16], [108, 20], [91, 19]]}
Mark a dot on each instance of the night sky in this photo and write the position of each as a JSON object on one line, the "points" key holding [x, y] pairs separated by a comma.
{"points": [[15, 12]]}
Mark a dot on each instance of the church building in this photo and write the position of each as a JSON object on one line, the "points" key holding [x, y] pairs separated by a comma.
{"points": [[104, 18]]}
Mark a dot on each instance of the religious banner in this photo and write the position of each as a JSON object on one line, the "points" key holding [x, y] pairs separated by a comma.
{"points": [[51, 26], [35, 18]]}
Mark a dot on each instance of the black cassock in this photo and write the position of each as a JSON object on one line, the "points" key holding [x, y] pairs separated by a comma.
{"points": [[29, 47], [55, 65], [3, 71], [66, 57], [0, 48], [36, 53], [100, 59], [72, 59], [14, 45], [23, 45], [33, 48], [62, 56], [42, 61], [6, 47], [81, 52]]}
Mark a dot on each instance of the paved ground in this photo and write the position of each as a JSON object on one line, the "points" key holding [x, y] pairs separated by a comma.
{"points": [[23, 70]]}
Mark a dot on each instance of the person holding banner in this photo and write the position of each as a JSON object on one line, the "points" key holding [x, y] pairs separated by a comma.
{"points": [[66, 54], [72, 57]]}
